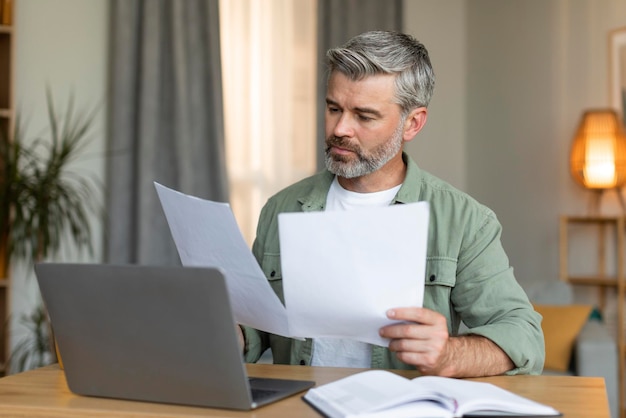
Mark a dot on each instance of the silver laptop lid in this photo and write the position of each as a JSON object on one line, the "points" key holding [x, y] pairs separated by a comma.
{"points": [[162, 334]]}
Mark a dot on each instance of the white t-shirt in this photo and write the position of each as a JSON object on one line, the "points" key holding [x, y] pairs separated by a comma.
{"points": [[336, 352]]}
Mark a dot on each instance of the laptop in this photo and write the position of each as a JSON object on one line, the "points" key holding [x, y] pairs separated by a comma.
{"points": [[147, 333]]}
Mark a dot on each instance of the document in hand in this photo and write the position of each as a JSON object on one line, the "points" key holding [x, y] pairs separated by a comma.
{"points": [[343, 270], [206, 235], [380, 393], [361, 263]]}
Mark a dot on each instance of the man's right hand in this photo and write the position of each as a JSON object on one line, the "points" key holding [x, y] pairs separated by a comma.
{"points": [[242, 341]]}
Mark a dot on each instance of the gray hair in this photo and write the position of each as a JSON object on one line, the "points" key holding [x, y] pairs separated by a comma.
{"points": [[384, 52]]}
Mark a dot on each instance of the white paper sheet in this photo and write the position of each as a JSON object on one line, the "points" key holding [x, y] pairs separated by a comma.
{"points": [[343, 270], [206, 235]]}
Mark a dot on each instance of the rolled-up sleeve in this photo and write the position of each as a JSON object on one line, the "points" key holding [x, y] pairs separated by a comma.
{"points": [[491, 302]]}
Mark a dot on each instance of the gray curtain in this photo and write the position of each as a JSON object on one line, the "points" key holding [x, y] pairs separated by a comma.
{"points": [[338, 21], [165, 120]]}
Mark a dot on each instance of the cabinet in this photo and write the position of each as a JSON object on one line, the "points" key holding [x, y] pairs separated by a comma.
{"points": [[6, 128], [607, 242]]}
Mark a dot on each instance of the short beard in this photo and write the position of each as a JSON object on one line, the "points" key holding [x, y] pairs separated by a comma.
{"points": [[365, 163]]}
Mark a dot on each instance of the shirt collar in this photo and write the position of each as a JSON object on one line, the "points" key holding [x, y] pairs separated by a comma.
{"points": [[411, 186]]}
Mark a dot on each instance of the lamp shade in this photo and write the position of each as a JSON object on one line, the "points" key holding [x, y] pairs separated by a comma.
{"points": [[598, 155]]}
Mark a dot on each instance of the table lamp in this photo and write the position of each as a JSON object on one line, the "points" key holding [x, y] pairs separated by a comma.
{"points": [[598, 154]]}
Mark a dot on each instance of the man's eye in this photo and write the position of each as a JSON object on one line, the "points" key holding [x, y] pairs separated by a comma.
{"points": [[333, 110], [365, 118]]}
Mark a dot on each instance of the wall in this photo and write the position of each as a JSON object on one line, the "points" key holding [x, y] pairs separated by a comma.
{"points": [[518, 139], [441, 146], [513, 77], [528, 69], [61, 44]]}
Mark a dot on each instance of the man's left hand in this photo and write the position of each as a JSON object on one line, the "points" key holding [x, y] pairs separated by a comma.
{"points": [[422, 340]]}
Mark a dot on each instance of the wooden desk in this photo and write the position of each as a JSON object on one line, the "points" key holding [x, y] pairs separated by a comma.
{"points": [[44, 393]]}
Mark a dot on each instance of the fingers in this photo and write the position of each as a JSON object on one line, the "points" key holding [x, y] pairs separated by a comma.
{"points": [[240, 337], [424, 353], [427, 363], [421, 323], [420, 315], [420, 339]]}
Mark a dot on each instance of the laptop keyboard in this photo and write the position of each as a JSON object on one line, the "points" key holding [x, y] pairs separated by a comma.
{"points": [[259, 395]]}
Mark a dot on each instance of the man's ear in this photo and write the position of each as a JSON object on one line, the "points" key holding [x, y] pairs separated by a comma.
{"points": [[414, 123]]}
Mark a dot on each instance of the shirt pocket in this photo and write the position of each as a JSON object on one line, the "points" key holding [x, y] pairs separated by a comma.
{"points": [[440, 279], [440, 272], [273, 273]]}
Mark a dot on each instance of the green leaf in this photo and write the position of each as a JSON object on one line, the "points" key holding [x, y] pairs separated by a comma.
{"points": [[42, 200]]}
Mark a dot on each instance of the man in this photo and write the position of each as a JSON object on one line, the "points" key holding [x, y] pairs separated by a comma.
{"points": [[379, 87]]}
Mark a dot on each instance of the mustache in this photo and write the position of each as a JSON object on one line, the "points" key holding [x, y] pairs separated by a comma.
{"points": [[335, 141]]}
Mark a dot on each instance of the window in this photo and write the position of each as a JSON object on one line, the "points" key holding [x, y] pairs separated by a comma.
{"points": [[269, 78]]}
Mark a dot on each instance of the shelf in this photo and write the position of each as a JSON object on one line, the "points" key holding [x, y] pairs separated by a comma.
{"points": [[610, 231], [7, 66], [593, 281], [593, 219]]}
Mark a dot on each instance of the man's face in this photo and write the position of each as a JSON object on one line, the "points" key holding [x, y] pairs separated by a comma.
{"points": [[364, 127]]}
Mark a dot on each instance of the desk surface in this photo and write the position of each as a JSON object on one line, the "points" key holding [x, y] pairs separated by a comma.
{"points": [[44, 392]]}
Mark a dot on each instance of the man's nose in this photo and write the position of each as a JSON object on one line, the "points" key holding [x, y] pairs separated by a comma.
{"points": [[344, 126]]}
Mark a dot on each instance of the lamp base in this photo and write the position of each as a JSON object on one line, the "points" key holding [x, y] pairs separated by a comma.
{"points": [[596, 197]]}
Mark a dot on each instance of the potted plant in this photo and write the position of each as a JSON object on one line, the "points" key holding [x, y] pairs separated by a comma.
{"points": [[43, 202]]}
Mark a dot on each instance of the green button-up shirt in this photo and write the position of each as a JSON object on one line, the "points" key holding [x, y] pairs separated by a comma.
{"points": [[468, 277]]}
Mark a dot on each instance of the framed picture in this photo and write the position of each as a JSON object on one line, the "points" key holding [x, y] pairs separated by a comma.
{"points": [[617, 71]]}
